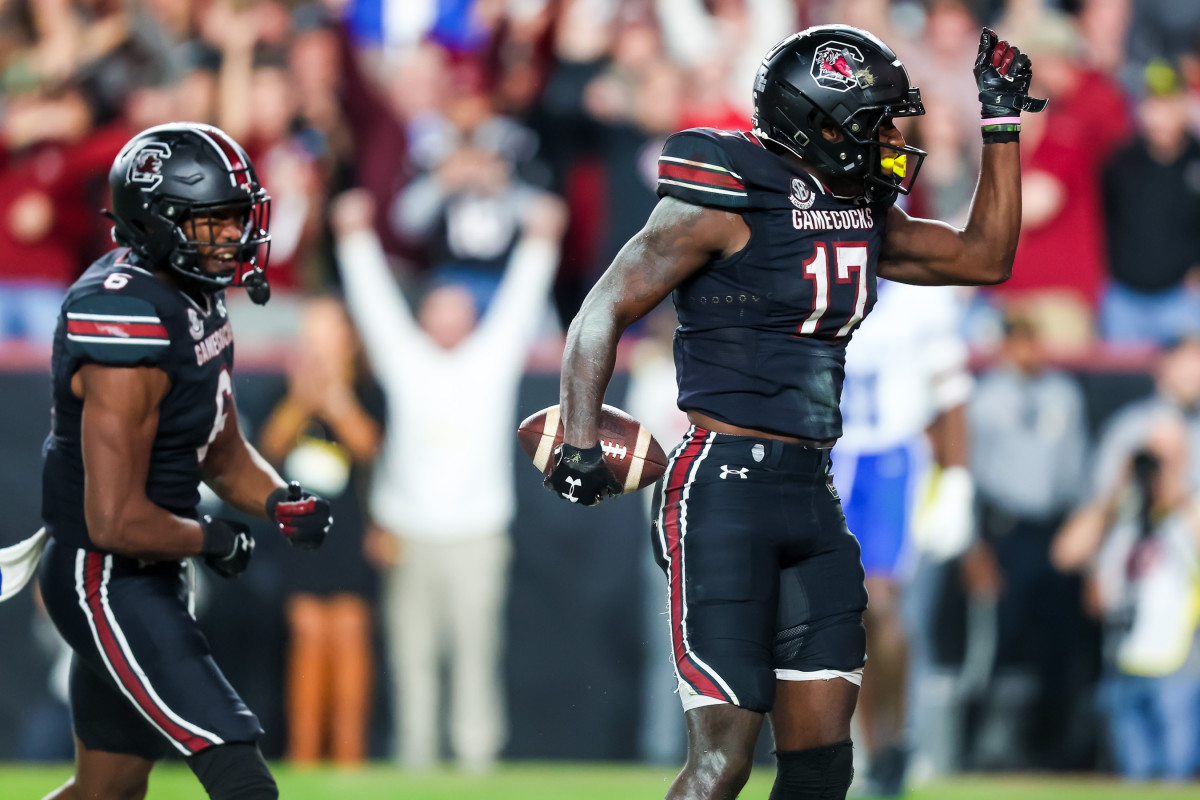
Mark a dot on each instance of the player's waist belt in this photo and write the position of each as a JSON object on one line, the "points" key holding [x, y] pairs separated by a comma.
{"points": [[773, 453]]}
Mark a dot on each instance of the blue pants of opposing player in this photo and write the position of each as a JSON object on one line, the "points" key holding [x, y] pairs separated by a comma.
{"points": [[876, 491]]}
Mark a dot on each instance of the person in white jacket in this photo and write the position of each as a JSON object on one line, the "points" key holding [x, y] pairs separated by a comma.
{"points": [[900, 469], [451, 386]]}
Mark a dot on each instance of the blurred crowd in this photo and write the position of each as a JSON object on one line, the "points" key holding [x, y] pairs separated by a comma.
{"points": [[457, 143], [454, 116]]}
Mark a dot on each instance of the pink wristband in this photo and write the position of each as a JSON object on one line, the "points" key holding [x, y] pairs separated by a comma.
{"points": [[983, 123]]}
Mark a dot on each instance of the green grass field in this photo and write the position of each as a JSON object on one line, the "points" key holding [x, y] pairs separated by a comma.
{"points": [[564, 782]]}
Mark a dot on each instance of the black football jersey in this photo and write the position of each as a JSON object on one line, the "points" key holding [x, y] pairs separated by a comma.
{"points": [[762, 334], [118, 314]]}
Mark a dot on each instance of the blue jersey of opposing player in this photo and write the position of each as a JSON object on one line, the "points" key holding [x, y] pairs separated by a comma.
{"points": [[762, 336], [121, 315]]}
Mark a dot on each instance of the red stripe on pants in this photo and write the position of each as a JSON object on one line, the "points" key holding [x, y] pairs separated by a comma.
{"points": [[676, 483], [93, 570]]}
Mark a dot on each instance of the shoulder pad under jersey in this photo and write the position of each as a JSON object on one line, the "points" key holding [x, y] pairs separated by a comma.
{"points": [[696, 167], [111, 327]]}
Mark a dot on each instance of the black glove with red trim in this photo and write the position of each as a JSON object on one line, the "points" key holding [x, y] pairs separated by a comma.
{"points": [[227, 546], [303, 517], [1003, 74], [581, 476]]}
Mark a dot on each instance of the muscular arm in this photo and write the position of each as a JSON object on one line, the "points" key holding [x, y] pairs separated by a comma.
{"points": [[678, 239], [120, 419], [237, 473], [931, 253]]}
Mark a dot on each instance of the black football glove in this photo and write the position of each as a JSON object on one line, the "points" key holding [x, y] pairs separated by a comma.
{"points": [[228, 546], [303, 517], [581, 476], [1003, 74]]}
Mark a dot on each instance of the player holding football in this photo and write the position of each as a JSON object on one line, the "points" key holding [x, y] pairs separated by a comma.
{"points": [[770, 242], [143, 411]]}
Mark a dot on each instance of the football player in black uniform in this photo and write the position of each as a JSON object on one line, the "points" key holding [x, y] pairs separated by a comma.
{"points": [[770, 242], [144, 411]]}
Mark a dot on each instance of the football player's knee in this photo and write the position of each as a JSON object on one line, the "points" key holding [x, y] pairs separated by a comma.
{"points": [[819, 773], [234, 771], [717, 772]]}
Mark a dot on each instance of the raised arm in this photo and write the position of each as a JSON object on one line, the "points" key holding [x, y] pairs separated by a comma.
{"points": [[516, 309], [373, 297], [932, 253], [927, 252]]}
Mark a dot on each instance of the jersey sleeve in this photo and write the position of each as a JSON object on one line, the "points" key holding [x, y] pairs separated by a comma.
{"points": [[695, 168], [114, 328]]}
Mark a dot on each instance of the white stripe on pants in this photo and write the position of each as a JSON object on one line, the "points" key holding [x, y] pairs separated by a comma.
{"points": [[446, 600]]}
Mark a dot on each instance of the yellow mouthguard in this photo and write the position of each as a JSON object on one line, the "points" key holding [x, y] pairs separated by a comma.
{"points": [[896, 165]]}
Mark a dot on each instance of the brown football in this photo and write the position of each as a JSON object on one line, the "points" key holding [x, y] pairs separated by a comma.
{"points": [[633, 455]]}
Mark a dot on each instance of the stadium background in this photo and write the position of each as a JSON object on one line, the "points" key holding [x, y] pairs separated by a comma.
{"points": [[578, 95]]}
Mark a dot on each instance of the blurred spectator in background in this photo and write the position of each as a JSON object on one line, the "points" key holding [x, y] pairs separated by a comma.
{"points": [[469, 206], [325, 432], [941, 62], [1170, 420], [1151, 208], [1177, 390], [1060, 262], [71, 79], [583, 36], [1139, 540], [718, 47], [376, 117], [39, 235], [904, 424], [258, 100], [50, 165], [445, 482], [625, 79], [1029, 437], [1164, 29], [947, 174], [634, 105], [1104, 25]]}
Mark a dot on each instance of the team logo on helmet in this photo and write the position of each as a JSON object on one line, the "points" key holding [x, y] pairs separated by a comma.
{"points": [[802, 196], [835, 66], [146, 166]]}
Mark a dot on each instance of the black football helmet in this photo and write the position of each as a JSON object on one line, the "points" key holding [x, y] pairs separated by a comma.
{"points": [[171, 173], [845, 77]]}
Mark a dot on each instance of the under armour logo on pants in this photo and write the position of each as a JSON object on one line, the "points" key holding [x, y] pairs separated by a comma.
{"points": [[570, 493]]}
